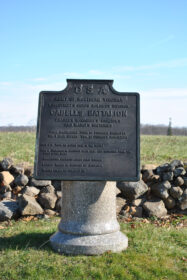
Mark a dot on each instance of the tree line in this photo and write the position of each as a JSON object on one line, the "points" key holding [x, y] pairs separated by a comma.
{"points": [[146, 129], [149, 129], [11, 128]]}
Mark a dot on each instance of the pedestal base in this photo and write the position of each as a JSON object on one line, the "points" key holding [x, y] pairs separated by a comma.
{"points": [[88, 244], [88, 225]]}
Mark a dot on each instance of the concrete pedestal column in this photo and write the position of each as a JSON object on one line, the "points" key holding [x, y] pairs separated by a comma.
{"points": [[88, 225]]}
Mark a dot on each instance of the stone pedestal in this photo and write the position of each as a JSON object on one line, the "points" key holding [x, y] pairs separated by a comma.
{"points": [[88, 225]]}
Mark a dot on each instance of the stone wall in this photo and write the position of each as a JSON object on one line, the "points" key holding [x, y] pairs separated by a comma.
{"points": [[160, 191]]}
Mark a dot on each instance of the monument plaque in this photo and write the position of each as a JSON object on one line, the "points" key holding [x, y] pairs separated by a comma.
{"points": [[88, 132]]}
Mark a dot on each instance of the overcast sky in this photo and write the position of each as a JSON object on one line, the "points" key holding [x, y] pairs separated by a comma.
{"points": [[141, 45]]}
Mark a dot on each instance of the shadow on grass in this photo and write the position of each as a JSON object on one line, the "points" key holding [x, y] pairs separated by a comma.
{"points": [[24, 241]]}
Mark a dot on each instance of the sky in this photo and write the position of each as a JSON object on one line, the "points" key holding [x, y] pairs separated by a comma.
{"points": [[140, 44]]}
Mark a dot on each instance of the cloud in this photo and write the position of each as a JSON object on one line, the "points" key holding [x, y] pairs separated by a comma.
{"points": [[158, 105], [19, 102], [165, 64], [164, 93], [163, 41], [5, 84], [96, 73], [39, 79], [73, 75], [90, 74]]}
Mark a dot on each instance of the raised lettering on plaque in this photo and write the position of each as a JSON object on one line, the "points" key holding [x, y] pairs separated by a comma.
{"points": [[88, 131]]}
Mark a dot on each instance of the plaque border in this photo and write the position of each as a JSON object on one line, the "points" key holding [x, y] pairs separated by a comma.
{"points": [[83, 178]]}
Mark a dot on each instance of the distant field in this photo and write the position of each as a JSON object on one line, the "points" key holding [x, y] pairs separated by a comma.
{"points": [[160, 149], [18, 145], [154, 149]]}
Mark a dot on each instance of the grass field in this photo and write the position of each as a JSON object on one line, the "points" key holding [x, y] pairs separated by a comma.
{"points": [[160, 149], [154, 149], [153, 253]]}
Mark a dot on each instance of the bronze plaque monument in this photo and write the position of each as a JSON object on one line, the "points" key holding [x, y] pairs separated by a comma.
{"points": [[88, 131]]}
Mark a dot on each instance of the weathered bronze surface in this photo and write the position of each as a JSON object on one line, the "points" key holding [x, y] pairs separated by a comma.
{"points": [[88, 131]]}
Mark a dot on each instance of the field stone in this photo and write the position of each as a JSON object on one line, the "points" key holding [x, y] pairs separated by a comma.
{"points": [[176, 192], [21, 180], [49, 212], [6, 195], [28, 171], [148, 167], [6, 178], [180, 171], [4, 189], [132, 190], [17, 190], [136, 211], [125, 214], [39, 183], [47, 200], [29, 206], [120, 203], [57, 184], [48, 189], [6, 163], [139, 201], [8, 209], [155, 178], [185, 181], [1, 168], [147, 175], [161, 189], [30, 191], [155, 208], [170, 202], [183, 200], [164, 168], [59, 194], [16, 170], [177, 163], [167, 176], [179, 181]]}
